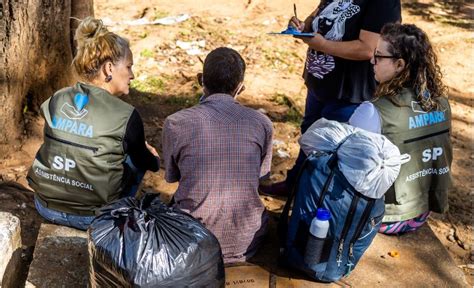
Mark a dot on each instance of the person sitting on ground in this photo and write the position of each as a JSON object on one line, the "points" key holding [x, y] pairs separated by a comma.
{"points": [[217, 151], [94, 148], [412, 110]]}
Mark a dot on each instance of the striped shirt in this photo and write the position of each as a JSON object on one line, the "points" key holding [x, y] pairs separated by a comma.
{"points": [[217, 151]]}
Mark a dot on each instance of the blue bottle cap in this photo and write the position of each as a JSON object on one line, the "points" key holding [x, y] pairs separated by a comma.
{"points": [[323, 214]]}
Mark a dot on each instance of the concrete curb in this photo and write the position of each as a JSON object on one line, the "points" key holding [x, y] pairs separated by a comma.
{"points": [[60, 258], [10, 249]]}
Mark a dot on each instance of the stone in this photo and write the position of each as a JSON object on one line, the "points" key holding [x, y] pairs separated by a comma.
{"points": [[10, 249], [60, 258]]}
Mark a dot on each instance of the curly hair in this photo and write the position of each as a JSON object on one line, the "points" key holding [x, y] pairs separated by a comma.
{"points": [[421, 72]]}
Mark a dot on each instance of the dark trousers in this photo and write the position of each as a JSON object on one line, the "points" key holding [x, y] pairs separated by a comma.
{"points": [[314, 110]]}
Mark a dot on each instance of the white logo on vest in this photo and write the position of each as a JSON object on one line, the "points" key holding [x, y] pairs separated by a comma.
{"points": [[60, 163], [74, 113], [424, 118], [77, 112], [432, 154]]}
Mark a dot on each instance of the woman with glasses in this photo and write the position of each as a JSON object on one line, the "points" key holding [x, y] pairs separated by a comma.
{"points": [[412, 110]]}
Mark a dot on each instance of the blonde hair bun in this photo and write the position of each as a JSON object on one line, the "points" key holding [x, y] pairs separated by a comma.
{"points": [[89, 30], [95, 46]]}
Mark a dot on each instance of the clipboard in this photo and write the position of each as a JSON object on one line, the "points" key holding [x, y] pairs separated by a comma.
{"points": [[293, 32]]}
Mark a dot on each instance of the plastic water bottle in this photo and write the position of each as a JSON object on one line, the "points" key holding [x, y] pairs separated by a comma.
{"points": [[318, 232]]}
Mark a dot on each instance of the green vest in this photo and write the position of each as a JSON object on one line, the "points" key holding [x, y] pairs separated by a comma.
{"points": [[424, 181], [79, 167]]}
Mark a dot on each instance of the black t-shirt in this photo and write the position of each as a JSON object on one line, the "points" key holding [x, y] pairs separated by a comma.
{"points": [[134, 145], [333, 78]]}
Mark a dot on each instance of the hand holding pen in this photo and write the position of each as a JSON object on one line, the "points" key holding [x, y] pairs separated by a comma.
{"points": [[295, 22]]}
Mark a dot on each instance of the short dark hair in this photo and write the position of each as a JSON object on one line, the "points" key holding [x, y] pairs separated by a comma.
{"points": [[224, 69]]}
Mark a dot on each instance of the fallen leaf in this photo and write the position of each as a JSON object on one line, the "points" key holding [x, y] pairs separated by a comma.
{"points": [[394, 253]]}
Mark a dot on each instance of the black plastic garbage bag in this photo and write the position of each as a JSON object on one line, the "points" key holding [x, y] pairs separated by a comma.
{"points": [[144, 243]]}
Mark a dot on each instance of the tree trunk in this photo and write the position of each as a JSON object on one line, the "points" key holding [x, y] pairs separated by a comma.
{"points": [[35, 57], [79, 10]]}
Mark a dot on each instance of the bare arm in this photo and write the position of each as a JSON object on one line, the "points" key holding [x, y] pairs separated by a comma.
{"points": [[360, 49]]}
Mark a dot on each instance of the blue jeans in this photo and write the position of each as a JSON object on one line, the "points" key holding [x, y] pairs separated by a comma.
{"points": [[314, 110], [82, 222], [61, 218]]}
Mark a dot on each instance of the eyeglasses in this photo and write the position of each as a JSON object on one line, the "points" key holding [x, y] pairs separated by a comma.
{"points": [[382, 56]]}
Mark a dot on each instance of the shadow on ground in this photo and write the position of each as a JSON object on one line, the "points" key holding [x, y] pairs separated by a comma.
{"points": [[457, 13], [155, 107]]}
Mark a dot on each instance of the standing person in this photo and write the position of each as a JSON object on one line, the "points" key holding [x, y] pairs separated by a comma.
{"points": [[412, 111], [217, 151], [338, 74], [94, 148]]}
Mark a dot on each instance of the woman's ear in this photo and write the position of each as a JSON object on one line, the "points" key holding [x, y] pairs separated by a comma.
{"points": [[107, 71], [107, 68], [110, 66], [400, 65]]}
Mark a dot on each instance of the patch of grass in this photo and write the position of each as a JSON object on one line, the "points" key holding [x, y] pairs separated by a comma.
{"points": [[198, 28], [281, 59], [150, 85], [294, 117], [160, 14], [281, 99], [167, 77], [184, 33], [182, 101], [147, 53]]}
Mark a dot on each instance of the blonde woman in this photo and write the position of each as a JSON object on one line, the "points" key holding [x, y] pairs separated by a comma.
{"points": [[94, 148]]}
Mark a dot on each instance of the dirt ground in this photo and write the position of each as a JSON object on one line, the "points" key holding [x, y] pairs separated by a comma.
{"points": [[167, 59]]}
